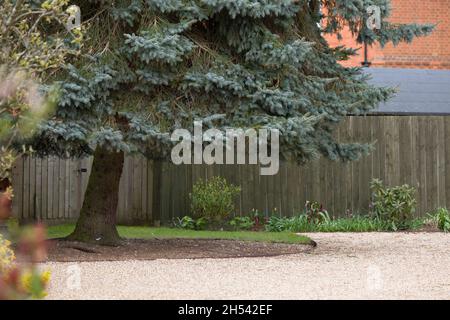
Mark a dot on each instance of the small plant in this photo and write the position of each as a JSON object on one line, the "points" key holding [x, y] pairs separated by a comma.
{"points": [[213, 199], [315, 212], [395, 205], [189, 223], [259, 219], [441, 217], [293, 224], [242, 223]]}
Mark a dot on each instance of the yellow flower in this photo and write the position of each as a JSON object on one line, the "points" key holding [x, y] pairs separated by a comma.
{"points": [[25, 281], [45, 277]]}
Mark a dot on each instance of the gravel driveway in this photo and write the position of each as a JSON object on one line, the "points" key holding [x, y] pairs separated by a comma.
{"points": [[343, 266]]}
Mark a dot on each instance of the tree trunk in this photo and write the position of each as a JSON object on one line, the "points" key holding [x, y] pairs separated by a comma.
{"points": [[97, 221]]}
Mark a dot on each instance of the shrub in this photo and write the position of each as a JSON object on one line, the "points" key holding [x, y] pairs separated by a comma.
{"points": [[395, 205], [242, 223], [313, 215], [293, 224], [189, 223], [315, 212], [213, 199], [442, 219]]}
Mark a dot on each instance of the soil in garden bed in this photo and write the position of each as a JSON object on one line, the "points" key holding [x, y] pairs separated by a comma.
{"points": [[66, 251]]}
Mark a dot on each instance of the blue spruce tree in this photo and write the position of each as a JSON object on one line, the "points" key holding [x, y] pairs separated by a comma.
{"points": [[152, 66]]}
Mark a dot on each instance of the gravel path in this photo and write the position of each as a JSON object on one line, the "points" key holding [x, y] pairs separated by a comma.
{"points": [[343, 266]]}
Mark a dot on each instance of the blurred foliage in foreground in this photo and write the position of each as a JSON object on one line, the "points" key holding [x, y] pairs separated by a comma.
{"points": [[34, 46], [24, 280]]}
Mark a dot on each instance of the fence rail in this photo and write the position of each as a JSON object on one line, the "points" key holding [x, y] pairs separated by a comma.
{"points": [[409, 149]]}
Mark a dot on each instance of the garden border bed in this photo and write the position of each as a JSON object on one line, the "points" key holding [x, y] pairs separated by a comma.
{"points": [[177, 248]]}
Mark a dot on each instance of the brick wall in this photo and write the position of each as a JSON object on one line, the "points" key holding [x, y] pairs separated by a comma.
{"points": [[431, 52]]}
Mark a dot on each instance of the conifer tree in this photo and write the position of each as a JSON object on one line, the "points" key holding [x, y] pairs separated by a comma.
{"points": [[152, 66]]}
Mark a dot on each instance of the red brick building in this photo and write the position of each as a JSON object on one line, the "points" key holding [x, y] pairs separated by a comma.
{"points": [[431, 52]]}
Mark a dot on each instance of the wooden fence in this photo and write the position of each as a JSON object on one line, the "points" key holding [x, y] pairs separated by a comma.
{"points": [[409, 149]]}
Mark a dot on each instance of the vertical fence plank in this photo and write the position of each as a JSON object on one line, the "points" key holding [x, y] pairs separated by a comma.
{"points": [[17, 183], [432, 164], [441, 167], [136, 188], [338, 178], [405, 146], [165, 194], [447, 159], [348, 170], [392, 165], [32, 189], [38, 189], [73, 179], [50, 162], [61, 188], [357, 167], [422, 164], [43, 188], [26, 189], [150, 216], [55, 190], [67, 193], [415, 175]]}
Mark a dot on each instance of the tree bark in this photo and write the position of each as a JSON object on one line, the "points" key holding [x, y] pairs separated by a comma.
{"points": [[97, 221]]}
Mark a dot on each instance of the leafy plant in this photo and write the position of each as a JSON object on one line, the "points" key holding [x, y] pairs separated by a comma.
{"points": [[259, 219], [315, 212], [294, 224], [442, 219], [395, 205], [213, 199], [242, 223], [189, 223], [354, 224]]}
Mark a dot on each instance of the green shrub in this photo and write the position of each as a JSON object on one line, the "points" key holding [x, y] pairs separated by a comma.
{"points": [[313, 215], [189, 223], [213, 199], [395, 205], [315, 212], [242, 223], [442, 219], [293, 224]]}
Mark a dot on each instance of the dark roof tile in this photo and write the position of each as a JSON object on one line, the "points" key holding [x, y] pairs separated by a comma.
{"points": [[419, 91]]}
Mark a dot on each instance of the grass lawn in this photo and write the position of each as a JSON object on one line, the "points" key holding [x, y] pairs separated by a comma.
{"points": [[60, 231]]}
